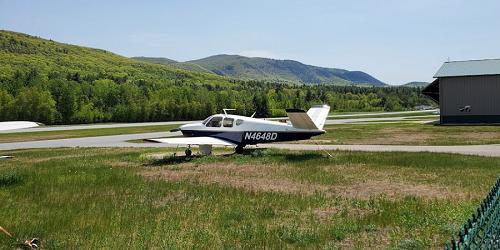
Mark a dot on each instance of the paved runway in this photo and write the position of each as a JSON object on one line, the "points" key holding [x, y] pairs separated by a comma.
{"points": [[97, 141], [120, 141], [143, 124], [482, 150], [384, 113]]}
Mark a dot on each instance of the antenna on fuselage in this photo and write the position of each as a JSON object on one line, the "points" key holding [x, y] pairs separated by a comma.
{"points": [[253, 114], [225, 110]]}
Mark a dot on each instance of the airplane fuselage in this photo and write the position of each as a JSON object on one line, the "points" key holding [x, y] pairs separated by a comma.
{"points": [[242, 130]]}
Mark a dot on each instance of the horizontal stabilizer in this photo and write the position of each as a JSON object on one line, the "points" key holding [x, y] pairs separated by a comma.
{"points": [[300, 119], [204, 140]]}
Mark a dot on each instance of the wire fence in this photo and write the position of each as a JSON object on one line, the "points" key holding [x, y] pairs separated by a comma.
{"points": [[482, 231]]}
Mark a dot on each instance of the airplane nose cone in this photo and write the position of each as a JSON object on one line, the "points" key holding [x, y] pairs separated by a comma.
{"points": [[182, 127], [190, 126]]}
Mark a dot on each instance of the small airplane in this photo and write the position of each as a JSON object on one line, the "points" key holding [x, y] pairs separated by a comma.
{"points": [[239, 131]]}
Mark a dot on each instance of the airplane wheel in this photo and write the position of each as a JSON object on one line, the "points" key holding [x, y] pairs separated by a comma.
{"points": [[239, 149], [188, 152]]}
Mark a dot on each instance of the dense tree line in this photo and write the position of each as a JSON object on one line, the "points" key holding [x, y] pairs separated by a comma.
{"points": [[73, 98]]}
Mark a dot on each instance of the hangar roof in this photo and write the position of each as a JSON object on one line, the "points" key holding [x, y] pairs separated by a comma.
{"points": [[469, 68]]}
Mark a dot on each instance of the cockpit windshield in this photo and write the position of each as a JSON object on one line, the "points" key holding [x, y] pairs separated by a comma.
{"points": [[206, 120]]}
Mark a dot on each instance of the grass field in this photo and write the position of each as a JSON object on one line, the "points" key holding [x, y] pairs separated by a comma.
{"points": [[47, 135], [407, 133], [121, 198]]}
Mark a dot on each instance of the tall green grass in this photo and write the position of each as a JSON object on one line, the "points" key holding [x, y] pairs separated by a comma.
{"points": [[81, 198]]}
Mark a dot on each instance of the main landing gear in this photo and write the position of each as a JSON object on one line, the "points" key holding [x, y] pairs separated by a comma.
{"points": [[204, 150], [188, 151], [239, 149]]}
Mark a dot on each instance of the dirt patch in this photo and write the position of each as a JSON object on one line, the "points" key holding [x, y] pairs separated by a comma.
{"points": [[250, 177], [268, 184], [477, 135], [396, 189], [272, 178], [325, 214], [392, 136]]}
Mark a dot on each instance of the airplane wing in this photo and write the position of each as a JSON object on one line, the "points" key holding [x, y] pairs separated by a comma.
{"points": [[204, 140], [17, 125]]}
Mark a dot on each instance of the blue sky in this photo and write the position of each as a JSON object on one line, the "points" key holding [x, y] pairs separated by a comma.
{"points": [[394, 40]]}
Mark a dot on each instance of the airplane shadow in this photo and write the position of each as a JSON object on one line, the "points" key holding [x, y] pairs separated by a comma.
{"points": [[173, 159]]}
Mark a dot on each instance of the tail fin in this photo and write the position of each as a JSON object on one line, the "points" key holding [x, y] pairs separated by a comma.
{"points": [[318, 114], [313, 119]]}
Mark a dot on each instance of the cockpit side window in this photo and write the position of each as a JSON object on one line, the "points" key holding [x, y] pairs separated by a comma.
{"points": [[239, 122], [215, 122], [228, 122]]}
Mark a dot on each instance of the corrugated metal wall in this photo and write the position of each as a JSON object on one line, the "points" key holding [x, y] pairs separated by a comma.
{"points": [[481, 93]]}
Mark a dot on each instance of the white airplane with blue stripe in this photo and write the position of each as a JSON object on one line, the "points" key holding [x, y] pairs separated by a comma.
{"points": [[239, 131]]}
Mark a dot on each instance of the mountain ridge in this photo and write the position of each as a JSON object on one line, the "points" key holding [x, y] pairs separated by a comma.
{"points": [[266, 69]]}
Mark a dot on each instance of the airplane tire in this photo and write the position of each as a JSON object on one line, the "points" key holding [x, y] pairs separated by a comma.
{"points": [[239, 149], [188, 152]]}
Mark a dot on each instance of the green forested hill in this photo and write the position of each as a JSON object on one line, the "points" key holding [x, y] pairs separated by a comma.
{"points": [[55, 83], [174, 64], [20, 53], [158, 60]]}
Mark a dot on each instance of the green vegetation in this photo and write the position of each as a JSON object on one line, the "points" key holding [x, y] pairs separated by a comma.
{"points": [[118, 198], [48, 135], [54, 83], [407, 133], [172, 63]]}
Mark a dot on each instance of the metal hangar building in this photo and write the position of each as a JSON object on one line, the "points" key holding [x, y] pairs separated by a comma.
{"points": [[467, 91]]}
